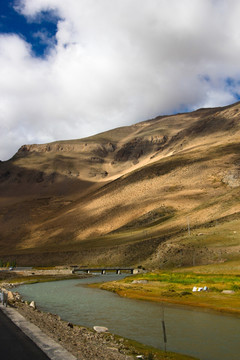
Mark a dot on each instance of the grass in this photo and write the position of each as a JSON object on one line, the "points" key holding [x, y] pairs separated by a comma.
{"points": [[188, 278], [136, 348], [221, 234], [176, 287], [225, 268], [14, 278]]}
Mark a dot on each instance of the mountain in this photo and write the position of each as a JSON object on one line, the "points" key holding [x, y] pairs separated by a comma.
{"points": [[158, 193]]}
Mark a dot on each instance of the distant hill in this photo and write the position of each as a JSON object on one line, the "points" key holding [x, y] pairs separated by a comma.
{"points": [[158, 193]]}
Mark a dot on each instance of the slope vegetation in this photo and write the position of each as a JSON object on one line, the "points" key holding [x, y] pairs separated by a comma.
{"points": [[159, 193]]}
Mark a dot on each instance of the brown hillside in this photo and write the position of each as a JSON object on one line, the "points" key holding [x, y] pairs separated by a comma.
{"points": [[126, 196]]}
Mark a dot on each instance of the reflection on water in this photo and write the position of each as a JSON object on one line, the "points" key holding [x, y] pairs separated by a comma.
{"points": [[206, 335]]}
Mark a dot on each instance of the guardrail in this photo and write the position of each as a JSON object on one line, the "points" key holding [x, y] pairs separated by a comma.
{"points": [[3, 298]]}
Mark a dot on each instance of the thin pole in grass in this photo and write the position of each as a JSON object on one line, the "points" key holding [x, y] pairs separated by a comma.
{"points": [[164, 330], [189, 231]]}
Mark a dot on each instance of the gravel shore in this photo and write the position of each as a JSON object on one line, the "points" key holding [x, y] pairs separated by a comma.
{"points": [[83, 343]]}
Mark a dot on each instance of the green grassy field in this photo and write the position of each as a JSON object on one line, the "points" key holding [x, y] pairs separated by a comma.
{"points": [[176, 287]]}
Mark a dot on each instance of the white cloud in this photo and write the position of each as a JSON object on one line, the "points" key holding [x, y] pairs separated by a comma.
{"points": [[116, 63]]}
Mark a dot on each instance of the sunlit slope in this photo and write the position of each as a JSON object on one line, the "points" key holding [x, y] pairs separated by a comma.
{"points": [[129, 193]]}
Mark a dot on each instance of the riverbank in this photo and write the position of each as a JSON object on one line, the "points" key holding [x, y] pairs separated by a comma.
{"points": [[222, 290], [79, 341], [82, 342], [86, 344]]}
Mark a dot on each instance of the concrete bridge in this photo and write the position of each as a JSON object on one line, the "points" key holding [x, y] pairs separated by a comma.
{"points": [[103, 270]]}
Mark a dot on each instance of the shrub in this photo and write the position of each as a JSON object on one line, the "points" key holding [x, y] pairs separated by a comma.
{"points": [[235, 287]]}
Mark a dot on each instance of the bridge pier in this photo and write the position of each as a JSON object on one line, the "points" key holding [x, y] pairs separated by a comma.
{"points": [[118, 272], [103, 271]]}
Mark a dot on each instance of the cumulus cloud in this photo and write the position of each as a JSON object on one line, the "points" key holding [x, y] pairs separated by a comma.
{"points": [[114, 63]]}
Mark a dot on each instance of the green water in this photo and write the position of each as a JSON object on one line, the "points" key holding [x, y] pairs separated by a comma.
{"points": [[205, 335]]}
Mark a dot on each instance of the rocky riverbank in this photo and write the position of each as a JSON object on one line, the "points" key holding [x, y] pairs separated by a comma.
{"points": [[82, 342]]}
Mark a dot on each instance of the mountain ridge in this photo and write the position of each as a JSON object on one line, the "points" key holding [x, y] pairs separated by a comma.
{"points": [[94, 198]]}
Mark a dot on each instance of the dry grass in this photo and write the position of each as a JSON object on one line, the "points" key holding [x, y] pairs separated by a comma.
{"points": [[125, 187]]}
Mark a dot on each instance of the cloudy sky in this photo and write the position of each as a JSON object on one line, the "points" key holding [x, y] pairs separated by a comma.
{"points": [[70, 69]]}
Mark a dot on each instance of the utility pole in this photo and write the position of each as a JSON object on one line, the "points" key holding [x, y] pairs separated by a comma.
{"points": [[189, 231]]}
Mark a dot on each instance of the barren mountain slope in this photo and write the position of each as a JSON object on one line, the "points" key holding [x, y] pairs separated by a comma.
{"points": [[126, 196]]}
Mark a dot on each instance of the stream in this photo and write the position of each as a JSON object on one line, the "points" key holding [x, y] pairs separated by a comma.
{"points": [[204, 334]]}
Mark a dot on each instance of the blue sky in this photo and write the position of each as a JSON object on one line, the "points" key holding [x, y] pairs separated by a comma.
{"points": [[12, 22], [70, 69]]}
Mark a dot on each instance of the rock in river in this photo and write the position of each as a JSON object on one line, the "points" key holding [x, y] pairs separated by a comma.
{"points": [[100, 329]]}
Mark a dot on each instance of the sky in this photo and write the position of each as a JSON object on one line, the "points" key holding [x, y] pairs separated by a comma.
{"points": [[71, 69]]}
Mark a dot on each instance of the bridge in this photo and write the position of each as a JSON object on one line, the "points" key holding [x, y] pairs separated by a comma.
{"points": [[103, 271]]}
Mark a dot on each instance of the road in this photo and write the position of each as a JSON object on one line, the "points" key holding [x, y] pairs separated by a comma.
{"points": [[15, 345]]}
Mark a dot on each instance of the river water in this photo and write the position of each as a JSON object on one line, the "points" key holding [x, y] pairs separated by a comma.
{"points": [[203, 334]]}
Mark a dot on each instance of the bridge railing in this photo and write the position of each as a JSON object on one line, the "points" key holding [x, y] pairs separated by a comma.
{"points": [[118, 270]]}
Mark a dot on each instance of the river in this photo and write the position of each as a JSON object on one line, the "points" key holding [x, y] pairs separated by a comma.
{"points": [[203, 334]]}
